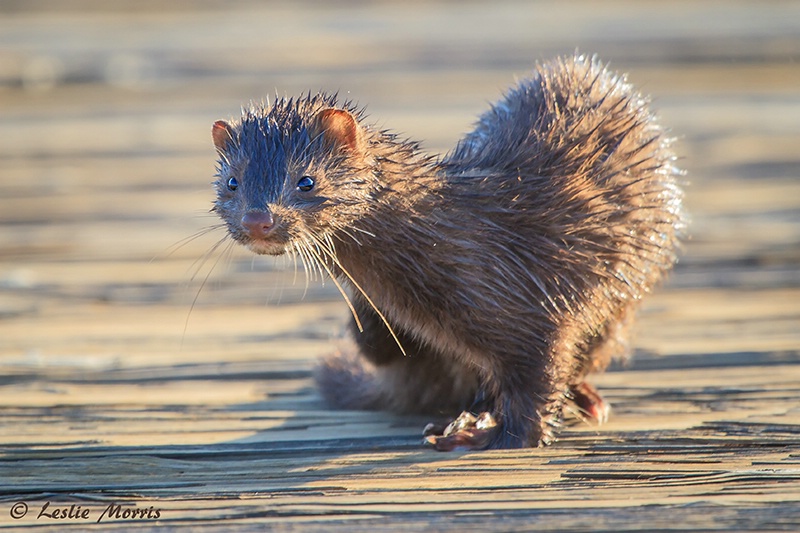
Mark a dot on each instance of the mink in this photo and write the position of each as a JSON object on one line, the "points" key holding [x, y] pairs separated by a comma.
{"points": [[489, 281]]}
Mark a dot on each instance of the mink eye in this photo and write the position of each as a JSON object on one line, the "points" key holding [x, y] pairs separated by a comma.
{"points": [[233, 184], [305, 184]]}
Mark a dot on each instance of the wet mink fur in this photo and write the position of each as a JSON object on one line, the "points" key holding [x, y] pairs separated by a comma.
{"points": [[492, 279]]}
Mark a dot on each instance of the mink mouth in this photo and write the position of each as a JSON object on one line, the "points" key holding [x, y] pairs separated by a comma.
{"points": [[266, 248]]}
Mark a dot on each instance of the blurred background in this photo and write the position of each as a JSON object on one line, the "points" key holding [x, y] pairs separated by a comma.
{"points": [[106, 159]]}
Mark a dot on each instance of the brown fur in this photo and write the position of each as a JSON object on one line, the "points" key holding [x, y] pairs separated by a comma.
{"points": [[506, 271]]}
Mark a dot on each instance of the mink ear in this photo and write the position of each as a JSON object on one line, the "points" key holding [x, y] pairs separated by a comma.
{"points": [[222, 133], [339, 129]]}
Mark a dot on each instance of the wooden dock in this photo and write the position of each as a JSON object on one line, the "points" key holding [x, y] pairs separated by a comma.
{"points": [[151, 379]]}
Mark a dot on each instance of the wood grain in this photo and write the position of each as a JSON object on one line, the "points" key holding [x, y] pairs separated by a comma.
{"points": [[141, 366]]}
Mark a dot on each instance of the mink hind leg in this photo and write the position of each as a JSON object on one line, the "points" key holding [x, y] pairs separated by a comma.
{"points": [[374, 373], [612, 342]]}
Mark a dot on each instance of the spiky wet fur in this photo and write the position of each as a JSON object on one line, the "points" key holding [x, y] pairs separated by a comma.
{"points": [[507, 270]]}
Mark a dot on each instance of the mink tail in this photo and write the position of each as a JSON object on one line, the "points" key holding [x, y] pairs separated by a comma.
{"points": [[348, 381]]}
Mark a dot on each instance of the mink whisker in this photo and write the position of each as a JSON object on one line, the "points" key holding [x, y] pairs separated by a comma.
{"points": [[227, 251], [308, 239], [174, 247], [331, 253]]}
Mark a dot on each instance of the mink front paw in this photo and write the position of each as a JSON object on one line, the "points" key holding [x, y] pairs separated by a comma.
{"points": [[467, 432]]}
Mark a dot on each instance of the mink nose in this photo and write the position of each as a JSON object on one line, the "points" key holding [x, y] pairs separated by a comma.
{"points": [[258, 224]]}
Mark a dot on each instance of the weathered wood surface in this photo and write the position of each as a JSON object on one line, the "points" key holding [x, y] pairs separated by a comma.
{"points": [[116, 387]]}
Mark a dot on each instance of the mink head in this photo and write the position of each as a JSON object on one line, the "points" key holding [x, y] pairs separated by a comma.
{"points": [[292, 173]]}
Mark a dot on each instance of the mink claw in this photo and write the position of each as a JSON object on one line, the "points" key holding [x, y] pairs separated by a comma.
{"points": [[467, 432]]}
